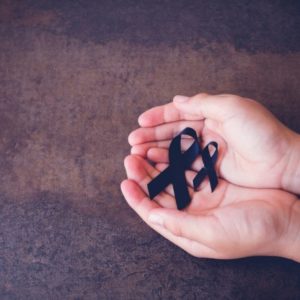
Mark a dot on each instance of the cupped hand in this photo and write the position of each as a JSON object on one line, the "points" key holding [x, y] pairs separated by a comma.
{"points": [[255, 148], [232, 222]]}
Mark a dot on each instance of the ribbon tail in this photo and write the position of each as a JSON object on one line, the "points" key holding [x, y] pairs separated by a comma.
{"points": [[213, 179], [181, 191], [159, 183], [199, 178]]}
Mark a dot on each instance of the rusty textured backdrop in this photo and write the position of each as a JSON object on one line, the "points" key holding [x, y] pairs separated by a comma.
{"points": [[74, 76]]}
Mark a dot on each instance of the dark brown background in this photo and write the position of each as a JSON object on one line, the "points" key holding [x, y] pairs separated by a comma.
{"points": [[74, 76]]}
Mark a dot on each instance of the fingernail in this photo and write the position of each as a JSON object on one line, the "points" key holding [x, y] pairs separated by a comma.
{"points": [[140, 119], [130, 141], [180, 98], [156, 219]]}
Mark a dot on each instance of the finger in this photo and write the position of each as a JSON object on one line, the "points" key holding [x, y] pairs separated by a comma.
{"points": [[142, 172], [142, 205], [216, 107], [201, 228], [158, 155], [142, 149], [162, 132], [163, 114]]}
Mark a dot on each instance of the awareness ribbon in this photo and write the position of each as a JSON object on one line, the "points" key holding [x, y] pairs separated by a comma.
{"points": [[179, 162]]}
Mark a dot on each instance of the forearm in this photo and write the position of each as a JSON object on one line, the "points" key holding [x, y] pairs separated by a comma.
{"points": [[291, 174]]}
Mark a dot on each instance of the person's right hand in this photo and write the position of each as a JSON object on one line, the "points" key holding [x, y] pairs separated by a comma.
{"points": [[231, 222], [256, 150]]}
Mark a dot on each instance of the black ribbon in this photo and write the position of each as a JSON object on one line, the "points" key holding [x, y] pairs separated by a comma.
{"points": [[179, 162]]}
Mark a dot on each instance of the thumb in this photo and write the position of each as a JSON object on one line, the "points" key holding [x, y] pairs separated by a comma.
{"points": [[198, 228], [216, 107]]}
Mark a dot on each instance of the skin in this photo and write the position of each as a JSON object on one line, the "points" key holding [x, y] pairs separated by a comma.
{"points": [[238, 219]]}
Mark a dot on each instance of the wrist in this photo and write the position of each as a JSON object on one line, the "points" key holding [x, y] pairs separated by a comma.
{"points": [[291, 175]]}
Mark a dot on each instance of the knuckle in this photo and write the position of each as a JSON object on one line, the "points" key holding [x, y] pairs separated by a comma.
{"points": [[234, 100], [176, 230], [200, 96]]}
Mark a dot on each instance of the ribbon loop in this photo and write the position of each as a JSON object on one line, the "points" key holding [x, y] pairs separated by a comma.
{"points": [[179, 162]]}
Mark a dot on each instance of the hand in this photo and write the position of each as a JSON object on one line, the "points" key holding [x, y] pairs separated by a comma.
{"points": [[256, 150], [232, 222]]}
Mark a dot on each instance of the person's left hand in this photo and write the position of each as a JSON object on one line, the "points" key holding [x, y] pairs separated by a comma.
{"points": [[231, 222]]}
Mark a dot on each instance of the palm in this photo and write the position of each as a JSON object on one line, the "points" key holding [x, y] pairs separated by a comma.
{"points": [[251, 151], [231, 222]]}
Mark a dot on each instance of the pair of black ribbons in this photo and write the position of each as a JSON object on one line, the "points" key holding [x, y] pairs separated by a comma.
{"points": [[179, 162]]}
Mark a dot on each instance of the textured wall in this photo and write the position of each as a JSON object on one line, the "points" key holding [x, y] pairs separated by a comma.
{"points": [[74, 76]]}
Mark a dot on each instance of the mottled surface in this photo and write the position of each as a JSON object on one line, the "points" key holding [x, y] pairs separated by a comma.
{"points": [[74, 76]]}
